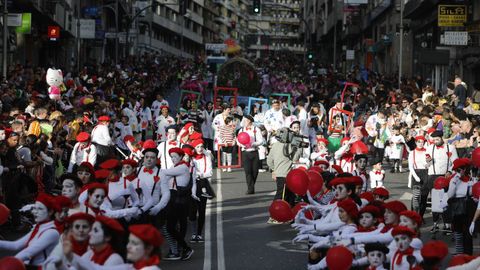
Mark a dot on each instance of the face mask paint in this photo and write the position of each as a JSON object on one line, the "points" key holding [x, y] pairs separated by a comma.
{"points": [[97, 236], [135, 248], [40, 212]]}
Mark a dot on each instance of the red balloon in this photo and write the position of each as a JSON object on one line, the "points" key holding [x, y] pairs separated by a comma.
{"points": [[440, 183], [476, 157], [280, 211], [243, 138], [300, 205], [297, 181], [315, 184], [11, 263], [316, 169], [476, 190], [358, 147], [4, 213], [339, 258]]}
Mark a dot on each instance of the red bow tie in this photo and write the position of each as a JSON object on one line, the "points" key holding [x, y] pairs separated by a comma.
{"points": [[440, 147], [378, 172], [147, 170], [173, 143]]}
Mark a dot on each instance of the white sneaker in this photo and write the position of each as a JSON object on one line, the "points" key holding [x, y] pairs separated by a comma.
{"points": [[229, 170], [262, 170]]}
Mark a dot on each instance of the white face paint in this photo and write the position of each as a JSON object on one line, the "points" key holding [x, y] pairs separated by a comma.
{"points": [[199, 149], [135, 249], [375, 258], [40, 212], [80, 229], [403, 241], [366, 220], [69, 190], [341, 192], [171, 135], [60, 216], [176, 158], [127, 170], [407, 222], [97, 197], [150, 160], [389, 217], [97, 236]]}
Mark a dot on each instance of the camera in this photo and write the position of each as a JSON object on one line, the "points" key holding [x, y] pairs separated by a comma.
{"points": [[285, 135]]}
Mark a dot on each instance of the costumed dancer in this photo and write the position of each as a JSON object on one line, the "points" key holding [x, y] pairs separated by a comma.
{"points": [[377, 175], [83, 151], [163, 121], [418, 167], [361, 162], [165, 146], [96, 193], [71, 186], [36, 246]]}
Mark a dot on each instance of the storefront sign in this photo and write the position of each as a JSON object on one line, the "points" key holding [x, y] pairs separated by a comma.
{"points": [[454, 38], [452, 15], [53, 32], [26, 26]]}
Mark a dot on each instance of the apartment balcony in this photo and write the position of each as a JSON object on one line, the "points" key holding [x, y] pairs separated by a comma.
{"points": [[288, 20], [177, 28], [148, 43], [200, 2]]}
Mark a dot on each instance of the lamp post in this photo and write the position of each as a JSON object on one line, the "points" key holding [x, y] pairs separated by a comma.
{"points": [[5, 34], [400, 55]]}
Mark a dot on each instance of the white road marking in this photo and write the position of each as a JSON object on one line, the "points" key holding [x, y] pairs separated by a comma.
{"points": [[207, 260], [220, 249]]}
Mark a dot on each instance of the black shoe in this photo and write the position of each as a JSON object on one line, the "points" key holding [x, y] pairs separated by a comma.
{"points": [[250, 192], [172, 257], [200, 239], [187, 254]]}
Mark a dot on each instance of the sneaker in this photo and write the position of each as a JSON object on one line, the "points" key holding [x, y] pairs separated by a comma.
{"points": [[187, 254], [262, 170], [193, 239], [273, 221], [434, 228], [200, 239], [172, 257]]}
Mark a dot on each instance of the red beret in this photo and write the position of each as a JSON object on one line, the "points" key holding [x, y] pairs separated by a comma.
{"points": [[321, 162], [368, 195], [197, 142], [395, 206], [346, 139], [147, 233], [413, 216], [195, 136], [87, 165], [381, 191], [188, 125], [460, 163], [370, 209], [46, 200], [164, 107], [356, 180], [349, 206], [93, 186], [111, 164], [81, 216], [148, 144], [110, 223], [325, 141], [4, 213], [130, 162], [104, 118], [435, 250], [102, 174], [340, 180], [177, 150], [11, 263], [188, 149], [403, 230], [420, 138], [83, 137], [61, 202], [129, 138], [337, 168]]}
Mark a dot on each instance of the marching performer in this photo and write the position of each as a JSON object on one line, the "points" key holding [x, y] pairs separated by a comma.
{"points": [[101, 138], [418, 167], [361, 162], [343, 156], [163, 121], [165, 146], [83, 151]]}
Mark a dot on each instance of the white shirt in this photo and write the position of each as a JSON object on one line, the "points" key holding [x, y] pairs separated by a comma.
{"points": [[207, 131], [376, 178], [162, 123], [397, 147], [203, 165], [163, 148], [273, 120], [101, 135], [132, 118], [120, 136], [256, 138], [442, 158], [303, 118], [145, 117], [457, 188], [156, 105], [88, 154], [40, 246], [146, 182]]}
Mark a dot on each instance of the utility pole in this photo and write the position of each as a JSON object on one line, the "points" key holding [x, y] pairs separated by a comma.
{"points": [[78, 42], [5, 35], [400, 55]]}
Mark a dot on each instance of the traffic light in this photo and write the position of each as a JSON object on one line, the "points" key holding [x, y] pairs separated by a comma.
{"points": [[310, 56], [257, 6]]}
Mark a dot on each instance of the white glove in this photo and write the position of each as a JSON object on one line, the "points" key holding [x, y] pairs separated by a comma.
{"points": [[311, 200], [321, 244], [344, 242], [301, 237], [306, 229], [27, 208], [195, 197], [472, 228], [133, 212], [314, 266], [416, 178]]}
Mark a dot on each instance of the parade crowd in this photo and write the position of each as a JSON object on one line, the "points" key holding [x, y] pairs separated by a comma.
{"points": [[99, 171]]}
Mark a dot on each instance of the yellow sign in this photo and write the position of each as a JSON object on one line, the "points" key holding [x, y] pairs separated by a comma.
{"points": [[452, 15]]}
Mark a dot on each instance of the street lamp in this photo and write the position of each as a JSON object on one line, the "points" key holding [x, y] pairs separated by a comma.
{"points": [[400, 55]]}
